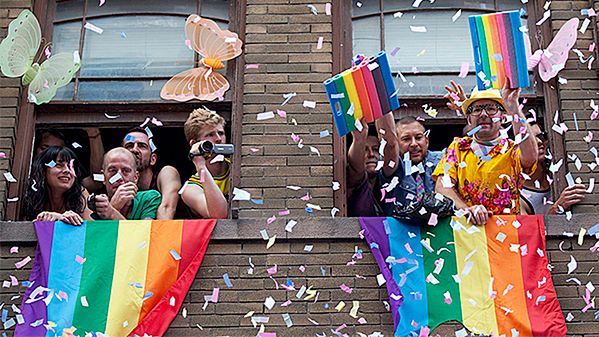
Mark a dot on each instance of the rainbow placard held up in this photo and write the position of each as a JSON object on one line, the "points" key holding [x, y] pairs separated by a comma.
{"points": [[499, 52], [364, 91]]}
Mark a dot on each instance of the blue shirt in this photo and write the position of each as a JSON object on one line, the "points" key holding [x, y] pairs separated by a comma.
{"points": [[407, 184]]}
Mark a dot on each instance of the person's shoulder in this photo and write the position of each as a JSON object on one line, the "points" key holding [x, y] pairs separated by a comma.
{"points": [[148, 194], [168, 170]]}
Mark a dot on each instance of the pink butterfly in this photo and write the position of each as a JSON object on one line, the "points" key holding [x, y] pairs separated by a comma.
{"points": [[553, 59]]}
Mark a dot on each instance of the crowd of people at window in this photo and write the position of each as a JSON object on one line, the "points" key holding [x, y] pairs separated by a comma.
{"points": [[130, 186], [483, 173]]}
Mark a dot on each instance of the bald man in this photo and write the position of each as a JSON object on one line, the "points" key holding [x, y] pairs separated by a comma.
{"points": [[124, 201]]}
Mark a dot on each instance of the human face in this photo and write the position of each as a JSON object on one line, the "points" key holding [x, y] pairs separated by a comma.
{"points": [[138, 143], [488, 119], [541, 139], [214, 133], [122, 164], [413, 140], [371, 155], [59, 178], [48, 140]]}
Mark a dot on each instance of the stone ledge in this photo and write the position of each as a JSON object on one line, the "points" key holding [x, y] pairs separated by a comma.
{"points": [[306, 228]]}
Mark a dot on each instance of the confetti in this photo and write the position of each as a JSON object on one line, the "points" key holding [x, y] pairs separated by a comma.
{"points": [[309, 104], [418, 29], [319, 43], [464, 68], [456, 16], [93, 28], [23, 262], [572, 265], [9, 177]]}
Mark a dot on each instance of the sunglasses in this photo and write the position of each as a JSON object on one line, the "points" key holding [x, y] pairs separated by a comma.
{"points": [[490, 109], [542, 136]]}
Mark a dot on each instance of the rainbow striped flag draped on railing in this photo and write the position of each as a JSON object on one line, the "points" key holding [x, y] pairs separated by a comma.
{"points": [[493, 279], [120, 278]]}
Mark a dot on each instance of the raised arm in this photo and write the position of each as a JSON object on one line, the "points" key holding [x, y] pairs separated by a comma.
{"points": [[528, 146], [207, 200], [96, 155], [355, 156], [391, 150], [169, 183]]}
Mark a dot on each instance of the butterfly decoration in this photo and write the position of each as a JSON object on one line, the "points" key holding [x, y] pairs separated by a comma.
{"points": [[215, 46], [553, 59], [17, 54]]}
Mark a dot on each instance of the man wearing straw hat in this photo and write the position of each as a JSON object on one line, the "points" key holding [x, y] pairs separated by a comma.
{"points": [[481, 173]]}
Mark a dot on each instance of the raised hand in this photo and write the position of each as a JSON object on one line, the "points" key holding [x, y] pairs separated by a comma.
{"points": [[453, 92]]}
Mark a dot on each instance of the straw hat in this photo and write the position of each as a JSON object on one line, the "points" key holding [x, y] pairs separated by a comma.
{"points": [[491, 94]]}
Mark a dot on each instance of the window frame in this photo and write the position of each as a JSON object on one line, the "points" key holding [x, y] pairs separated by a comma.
{"points": [[545, 96], [76, 114]]}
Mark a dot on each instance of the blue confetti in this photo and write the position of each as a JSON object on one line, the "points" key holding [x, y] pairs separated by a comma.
{"points": [[474, 131], [51, 164], [594, 230], [136, 285], [37, 323], [123, 35], [227, 280], [129, 139], [324, 133], [540, 299], [289, 283], [309, 210], [149, 132], [387, 227], [148, 295], [498, 57], [597, 315], [485, 158], [323, 271], [152, 146], [416, 296], [326, 305], [522, 12], [175, 255], [4, 315], [26, 284], [374, 245], [257, 201]]}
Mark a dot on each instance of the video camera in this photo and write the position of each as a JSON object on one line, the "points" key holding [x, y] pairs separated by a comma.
{"points": [[207, 149]]}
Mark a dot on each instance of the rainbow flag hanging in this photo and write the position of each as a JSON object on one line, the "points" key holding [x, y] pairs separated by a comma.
{"points": [[120, 278], [499, 52], [493, 279], [364, 91]]}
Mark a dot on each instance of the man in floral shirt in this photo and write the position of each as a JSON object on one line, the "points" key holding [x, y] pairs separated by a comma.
{"points": [[482, 173]]}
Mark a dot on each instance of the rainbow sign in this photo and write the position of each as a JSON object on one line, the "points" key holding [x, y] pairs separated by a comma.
{"points": [[499, 52], [364, 91]]}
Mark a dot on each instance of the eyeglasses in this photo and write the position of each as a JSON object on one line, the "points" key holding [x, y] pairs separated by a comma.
{"points": [[491, 109], [542, 136]]}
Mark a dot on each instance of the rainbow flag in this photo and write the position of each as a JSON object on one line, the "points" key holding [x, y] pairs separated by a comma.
{"points": [[499, 52], [364, 91], [119, 278], [493, 279]]}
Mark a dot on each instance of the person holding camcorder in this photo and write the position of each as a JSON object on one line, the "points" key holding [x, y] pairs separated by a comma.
{"points": [[205, 191]]}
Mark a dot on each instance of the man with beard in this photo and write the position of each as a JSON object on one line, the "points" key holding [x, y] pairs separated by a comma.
{"points": [[123, 201], [482, 174], [536, 193], [166, 180]]}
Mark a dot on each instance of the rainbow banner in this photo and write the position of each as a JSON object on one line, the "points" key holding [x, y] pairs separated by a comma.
{"points": [[499, 52], [493, 279], [364, 91], [119, 278]]}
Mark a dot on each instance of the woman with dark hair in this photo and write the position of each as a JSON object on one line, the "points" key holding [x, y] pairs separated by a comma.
{"points": [[55, 191]]}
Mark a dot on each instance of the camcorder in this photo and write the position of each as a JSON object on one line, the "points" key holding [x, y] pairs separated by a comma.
{"points": [[207, 149], [91, 204]]}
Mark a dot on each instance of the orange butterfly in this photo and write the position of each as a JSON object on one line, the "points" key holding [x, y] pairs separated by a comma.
{"points": [[215, 46]]}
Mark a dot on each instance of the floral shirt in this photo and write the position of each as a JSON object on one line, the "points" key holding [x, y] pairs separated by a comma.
{"points": [[493, 180]]}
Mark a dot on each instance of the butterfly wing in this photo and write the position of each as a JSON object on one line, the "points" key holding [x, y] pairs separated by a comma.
{"points": [[197, 83], [210, 41], [20, 46], [53, 74], [556, 55]]}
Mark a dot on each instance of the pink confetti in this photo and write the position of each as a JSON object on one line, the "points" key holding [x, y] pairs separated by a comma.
{"points": [[302, 268], [594, 115], [188, 44], [414, 324], [295, 137], [23, 262], [271, 219], [341, 327], [272, 270], [424, 331], [362, 320], [464, 70], [215, 293], [592, 47], [268, 334], [63, 295], [394, 51], [79, 259], [45, 85], [14, 250], [254, 150], [408, 248], [286, 303], [306, 197], [282, 113], [251, 66], [588, 138], [285, 212], [156, 121], [390, 200], [327, 8], [346, 288], [320, 41], [13, 280]]}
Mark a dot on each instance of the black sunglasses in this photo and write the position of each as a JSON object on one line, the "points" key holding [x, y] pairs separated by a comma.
{"points": [[542, 136]]}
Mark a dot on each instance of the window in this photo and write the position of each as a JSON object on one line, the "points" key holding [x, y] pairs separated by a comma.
{"points": [[123, 69], [423, 62]]}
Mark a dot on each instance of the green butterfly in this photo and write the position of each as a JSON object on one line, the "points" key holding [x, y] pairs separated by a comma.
{"points": [[17, 52]]}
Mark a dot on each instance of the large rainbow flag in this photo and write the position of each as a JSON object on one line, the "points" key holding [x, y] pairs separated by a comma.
{"points": [[119, 278], [493, 279], [499, 52], [365, 91]]}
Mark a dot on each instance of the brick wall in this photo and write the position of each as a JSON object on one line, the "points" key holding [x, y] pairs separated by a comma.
{"points": [[282, 37], [575, 98], [10, 92], [325, 270]]}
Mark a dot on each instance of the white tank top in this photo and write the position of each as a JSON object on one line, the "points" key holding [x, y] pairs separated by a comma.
{"points": [[535, 199]]}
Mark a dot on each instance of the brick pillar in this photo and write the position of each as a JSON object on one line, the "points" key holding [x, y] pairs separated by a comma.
{"points": [[10, 92], [282, 37], [575, 99]]}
